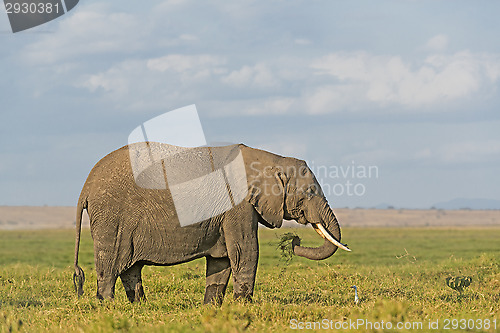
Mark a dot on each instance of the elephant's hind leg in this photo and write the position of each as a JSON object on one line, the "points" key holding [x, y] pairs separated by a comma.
{"points": [[105, 286], [218, 272], [132, 282]]}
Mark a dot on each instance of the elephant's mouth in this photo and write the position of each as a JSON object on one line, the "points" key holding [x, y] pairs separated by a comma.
{"points": [[322, 231], [326, 235], [302, 218]]}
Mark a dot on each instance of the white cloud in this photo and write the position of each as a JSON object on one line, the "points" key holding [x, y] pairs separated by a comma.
{"points": [[92, 29], [131, 74], [273, 105], [170, 4], [258, 75], [389, 80], [438, 43], [181, 63], [156, 82], [99, 30], [338, 82], [117, 79], [329, 98]]}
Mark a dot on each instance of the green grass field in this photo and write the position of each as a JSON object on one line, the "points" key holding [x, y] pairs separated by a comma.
{"points": [[400, 274]]}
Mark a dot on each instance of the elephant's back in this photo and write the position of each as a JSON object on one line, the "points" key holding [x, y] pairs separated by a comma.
{"points": [[107, 178], [111, 186], [112, 170]]}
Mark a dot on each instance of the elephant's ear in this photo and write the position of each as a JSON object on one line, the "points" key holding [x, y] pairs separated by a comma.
{"points": [[267, 195]]}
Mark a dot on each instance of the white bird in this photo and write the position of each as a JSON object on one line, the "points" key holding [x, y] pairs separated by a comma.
{"points": [[356, 298]]}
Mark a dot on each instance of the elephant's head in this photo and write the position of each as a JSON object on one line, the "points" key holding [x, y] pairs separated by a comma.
{"points": [[285, 188]]}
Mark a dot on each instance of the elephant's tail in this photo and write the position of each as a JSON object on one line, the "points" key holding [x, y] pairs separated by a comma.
{"points": [[79, 276]]}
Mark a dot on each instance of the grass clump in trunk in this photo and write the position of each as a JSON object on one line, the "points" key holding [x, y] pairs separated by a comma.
{"points": [[286, 247]]}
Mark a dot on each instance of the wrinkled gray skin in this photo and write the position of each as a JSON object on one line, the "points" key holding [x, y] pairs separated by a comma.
{"points": [[132, 226]]}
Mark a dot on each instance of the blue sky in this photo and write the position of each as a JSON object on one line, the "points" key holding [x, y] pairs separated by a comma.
{"points": [[410, 87]]}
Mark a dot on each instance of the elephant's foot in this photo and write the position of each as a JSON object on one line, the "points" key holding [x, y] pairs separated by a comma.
{"points": [[136, 295], [243, 298], [243, 293], [132, 282], [218, 273], [139, 294], [214, 294], [106, 288]]}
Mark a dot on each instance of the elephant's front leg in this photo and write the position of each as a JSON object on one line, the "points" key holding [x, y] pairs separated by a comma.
{"points": [[243, 251], [218, 272]]}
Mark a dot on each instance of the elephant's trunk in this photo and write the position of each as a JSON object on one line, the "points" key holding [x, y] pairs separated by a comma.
{"points": [[329, 229]]}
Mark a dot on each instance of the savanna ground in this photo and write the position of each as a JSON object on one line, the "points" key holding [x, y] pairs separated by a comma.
{"points": [[400, 274]]}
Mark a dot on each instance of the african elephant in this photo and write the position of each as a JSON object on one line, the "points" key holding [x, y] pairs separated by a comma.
{"points": [[135, 220]]}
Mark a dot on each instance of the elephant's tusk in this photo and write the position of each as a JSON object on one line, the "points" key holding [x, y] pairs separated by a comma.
{"points": [[317, 230], [325, 234]]}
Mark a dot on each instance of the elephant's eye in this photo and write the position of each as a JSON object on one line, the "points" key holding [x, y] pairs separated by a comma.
{"points": [[313, 189]]}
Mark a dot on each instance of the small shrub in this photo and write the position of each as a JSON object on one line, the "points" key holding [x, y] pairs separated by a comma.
{"points": [[458, 283]]}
